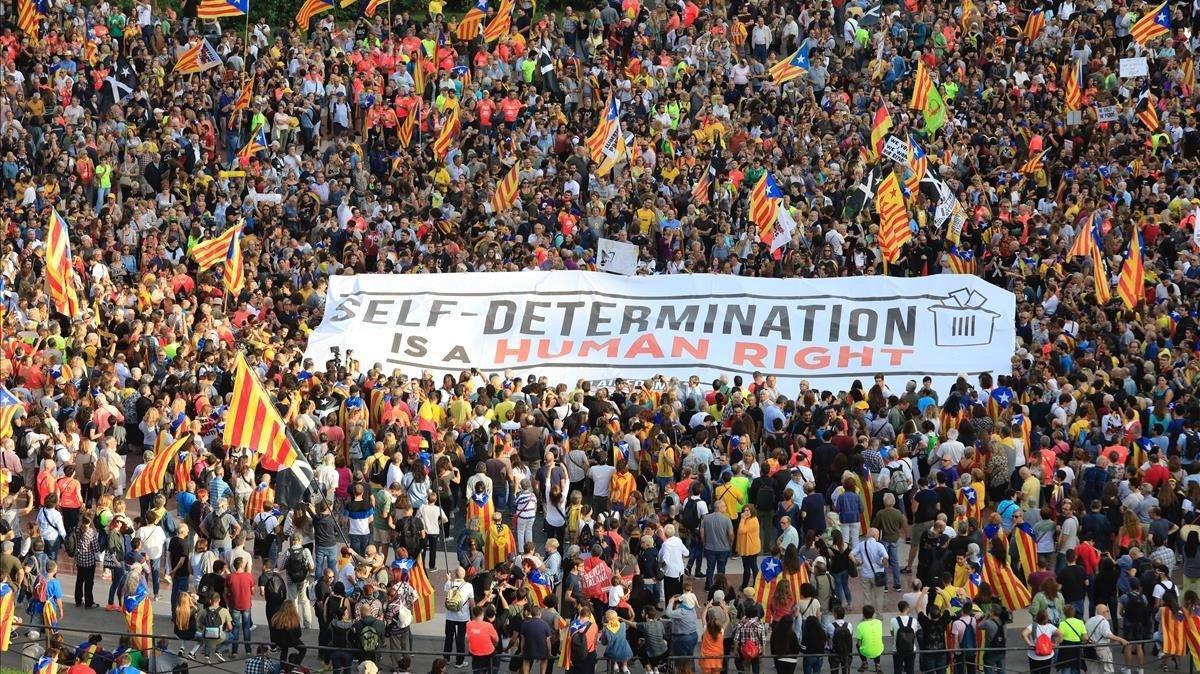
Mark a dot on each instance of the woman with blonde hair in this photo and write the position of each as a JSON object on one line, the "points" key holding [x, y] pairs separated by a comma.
{"points": [[184, 620]]}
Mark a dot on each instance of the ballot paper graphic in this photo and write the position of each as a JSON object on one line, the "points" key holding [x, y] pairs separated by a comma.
{"points": [[961, 320]]}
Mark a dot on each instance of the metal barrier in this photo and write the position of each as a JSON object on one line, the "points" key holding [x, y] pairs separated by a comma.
{"points": [[232, 664]]}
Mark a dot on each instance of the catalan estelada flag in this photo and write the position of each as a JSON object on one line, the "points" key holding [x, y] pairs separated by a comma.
{"points": [[259, 498], [1035, 23], [198, 58], [310, 9], [9, 406], [893, 218], [29, 16], [769, 570], [1005, 584], [256, 144], [795, 579], [234, 276], [539, 586], [450, 130], [501, 24], [423, 607], [1174, 642], [765, 201], [918, 164], [880, 127], [608, 132], [252, 420], [1156, 22], [468, 26], [1132, 281], [405, 130], [244, 96], [866, 494], [564, 633], [45, 665], [52, 613], [219, 9], [150, 480], [1191, 634], [480, 507], [60, 272], [139, 618], [210, 253], [960, 261], [185, 461], [1073, 92], [795, 65], [1100, 278], [506, 190], [922, 85], [1026, 547], [8, 609]]}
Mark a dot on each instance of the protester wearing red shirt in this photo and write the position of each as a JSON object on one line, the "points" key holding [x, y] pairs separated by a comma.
{"points": [[510, 107], [239, 591], [485, 109]]}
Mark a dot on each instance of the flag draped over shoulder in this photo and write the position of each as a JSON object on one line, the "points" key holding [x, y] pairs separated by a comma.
{"points": [[1026, 548], [499, 544], [1005, 584], [139, 618], [539, 586], [1174, 642], [8, 609], [480, 507], [9, 406], [252, 420], [423, 608], [768, 577]]}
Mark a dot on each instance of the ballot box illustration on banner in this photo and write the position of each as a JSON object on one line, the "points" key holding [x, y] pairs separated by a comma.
{"points": [[961, 320]]}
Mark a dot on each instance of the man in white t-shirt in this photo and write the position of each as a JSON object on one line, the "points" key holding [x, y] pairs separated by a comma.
{"points": [[1099, 631], [460, 599]]}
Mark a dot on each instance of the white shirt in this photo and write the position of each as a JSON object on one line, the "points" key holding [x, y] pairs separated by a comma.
{"points": [[674, 556], [463, 614]]}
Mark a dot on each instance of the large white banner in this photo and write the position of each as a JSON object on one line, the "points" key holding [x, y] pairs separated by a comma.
{"points": [[569, 325]]}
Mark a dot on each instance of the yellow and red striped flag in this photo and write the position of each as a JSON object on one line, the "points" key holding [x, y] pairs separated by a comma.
{"points": [[506, 190], [1026, 547], [879, 130], [604, 128], [405, 130], [564, 633], [139, 618], [501, 24], [449, 132], [1147, 110], [539, 587], [1156, 22], [769, 570], [1074, 88], [1034, 164], [45, 665], [9, 406], [198, 58], [259, 498], [1174, 642], [310, 9], [468, 26], [893, 218], [1005, 584], [922, 85], [29, 16], [244, 96], [765, 201], [60, 272], [8, 609], [150, 480], [1132, 281], [795, 579], [480, 507], [1191, 634], [1082, 245], [423, 608], [235, 267], [794, 65], [499, 544], [372, 6], [1188, 82], [212, 252], [1035, 23], [219, 9], [252, 420], [256, 144], [184, 462]]}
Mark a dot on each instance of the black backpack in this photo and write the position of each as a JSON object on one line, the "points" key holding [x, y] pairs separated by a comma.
{"points": [[274, 588], [1000, 640], [765, 500], [408, 530], [1170, 594], [579, 648], [296, 566], [843, 641], [906, 636], [691, 514]]}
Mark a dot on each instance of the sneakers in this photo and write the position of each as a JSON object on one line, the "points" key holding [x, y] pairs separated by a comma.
{"points": [[461, 665], [896, 588], [112, 607], [222, 658]]}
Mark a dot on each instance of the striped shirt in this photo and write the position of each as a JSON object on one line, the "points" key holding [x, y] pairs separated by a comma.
{"points": [[526, 505]]}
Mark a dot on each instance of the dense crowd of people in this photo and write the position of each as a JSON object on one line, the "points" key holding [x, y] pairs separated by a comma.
{"points": [[561, 522]]}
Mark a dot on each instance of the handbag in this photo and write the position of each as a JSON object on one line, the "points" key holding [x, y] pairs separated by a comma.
{"points": [[1089, 648], [880, 577]]}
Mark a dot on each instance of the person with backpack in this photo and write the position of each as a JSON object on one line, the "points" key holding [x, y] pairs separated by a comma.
{"points": [[50, 524], [841, 643], [460, 599], [212, 626], [1041, 637], [369, 632], [812, 644], [265, 526], [298, 566], [694, 510], [750, 640], [1137, 619], [932, 638], [904, 635], [964, 632], [45, 602], [273, 588], [582, 635], [995, 639], [220, 526]]}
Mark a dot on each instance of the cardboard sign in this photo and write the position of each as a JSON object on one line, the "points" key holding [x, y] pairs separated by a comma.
{"points": [[1074, 117], [617, 257], [1107, 114], [1135, 67], [896, 150]]}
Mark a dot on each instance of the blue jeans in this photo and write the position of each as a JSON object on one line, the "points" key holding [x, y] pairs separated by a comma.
{"points": [[893, 553], [717, 559], [51, 547], [841, 583], [812, 664], [695, 554], [118, 585], [359, 542], [993, 663], [242, 622], [326, 555], [684, 644]]}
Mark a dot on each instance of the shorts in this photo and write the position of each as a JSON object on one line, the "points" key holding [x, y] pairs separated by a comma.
{"points": [[381, 536]]}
